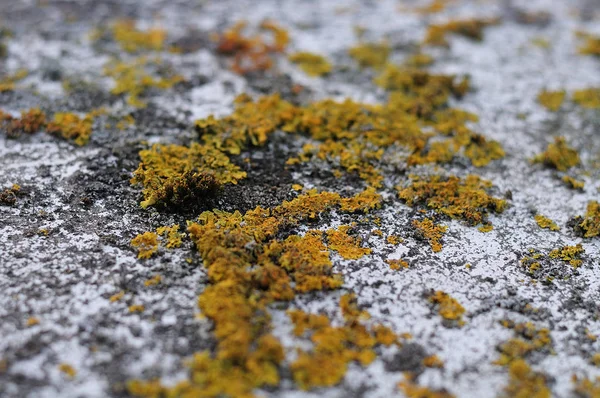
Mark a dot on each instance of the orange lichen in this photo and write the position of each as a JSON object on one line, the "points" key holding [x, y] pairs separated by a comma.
{"points": [[311, 64], [552, 100], [545, 222], [146, 244], [559, 155], [570, 254], [347, 246], [433, 361], [465, 199], [32, 321], [433, 233], [251, 54], [136, 308], [471, 28], [171, 236], [588, 226], [447, 306]]}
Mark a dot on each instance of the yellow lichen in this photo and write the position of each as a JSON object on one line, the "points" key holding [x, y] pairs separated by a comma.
{"points": [[133, 40], [146, 244], [347, 246], [587, 98], [486, 228], [545, 222], [465, 199], [171, 236], [311, 64], [588, 226], [552, 100], [586, 388], [448, 307], [67, 370], [397, 264], [529, 339], [591, 45], [412, 390], [136, 308], [559, 155], [471, 28], [370, 55], [72, 127], [433, 233], [433, 361], [155, 280], [134, 78], [32, 321], [116, 297], [570, 254], [524, 382], [572, 182]]}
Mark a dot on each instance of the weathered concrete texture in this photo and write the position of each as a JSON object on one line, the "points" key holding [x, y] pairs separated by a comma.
{"points": [[83, 197]]}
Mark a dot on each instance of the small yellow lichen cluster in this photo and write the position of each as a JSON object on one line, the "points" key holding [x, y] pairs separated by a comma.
{"points": [[347, 246], [311, 64], [370, 55], [573, 183], [135, 78], [7, 83], [587, 98], [72, 127], [524, 382], [529, 339], [545, 222], [66, 125], [335, 347], [412, 390], [471, 28], [133, 40], [251, 54], [559, 155], [586, 388], [464, 199], [570, 254], [433, 233], [591, 45], [146, 244], [397, 264], [67, 370], [8, 196], [448, 307], [552, 100], [588, 226]]}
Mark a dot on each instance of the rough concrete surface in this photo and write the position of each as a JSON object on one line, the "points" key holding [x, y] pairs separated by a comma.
{"points": [[65, 244]]}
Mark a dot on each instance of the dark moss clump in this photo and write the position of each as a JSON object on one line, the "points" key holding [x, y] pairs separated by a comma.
{"points": [[8, 197], [187, 191]]}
